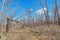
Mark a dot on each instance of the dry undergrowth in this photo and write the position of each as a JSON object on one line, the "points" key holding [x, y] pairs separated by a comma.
{"points": [[42, 33]]}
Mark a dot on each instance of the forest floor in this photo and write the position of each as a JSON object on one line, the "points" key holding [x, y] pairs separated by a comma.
{"points": [[28, 33]]}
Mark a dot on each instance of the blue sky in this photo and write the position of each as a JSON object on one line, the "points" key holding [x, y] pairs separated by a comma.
{"points": [[26, 4], [33, 4]]}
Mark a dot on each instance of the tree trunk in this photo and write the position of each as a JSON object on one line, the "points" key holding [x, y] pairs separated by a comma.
{"points": [[7, 28]]}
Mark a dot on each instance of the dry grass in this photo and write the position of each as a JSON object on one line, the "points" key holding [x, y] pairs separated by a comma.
{"points": [[42, 33]]}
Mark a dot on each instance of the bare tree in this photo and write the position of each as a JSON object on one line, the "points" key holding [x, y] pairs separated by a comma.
{"points": [[56, 12], [9, 18], [47, 15], [23, 17], [1, 15], [29, 16], [45, 12], [55, 16], [37, 19]]}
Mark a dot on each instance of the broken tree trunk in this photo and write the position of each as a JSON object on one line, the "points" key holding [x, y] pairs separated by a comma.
{"points": [[7, 28]]}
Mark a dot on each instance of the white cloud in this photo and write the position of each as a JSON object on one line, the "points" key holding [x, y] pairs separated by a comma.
{"points": [[41, 11]]}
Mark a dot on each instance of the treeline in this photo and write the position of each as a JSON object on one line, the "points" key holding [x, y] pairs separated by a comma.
{"points": [[41, 18]]}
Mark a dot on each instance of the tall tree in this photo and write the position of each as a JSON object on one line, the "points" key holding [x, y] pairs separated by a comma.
{"points": [[56, 11], [45, 11], [30, 16]]}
